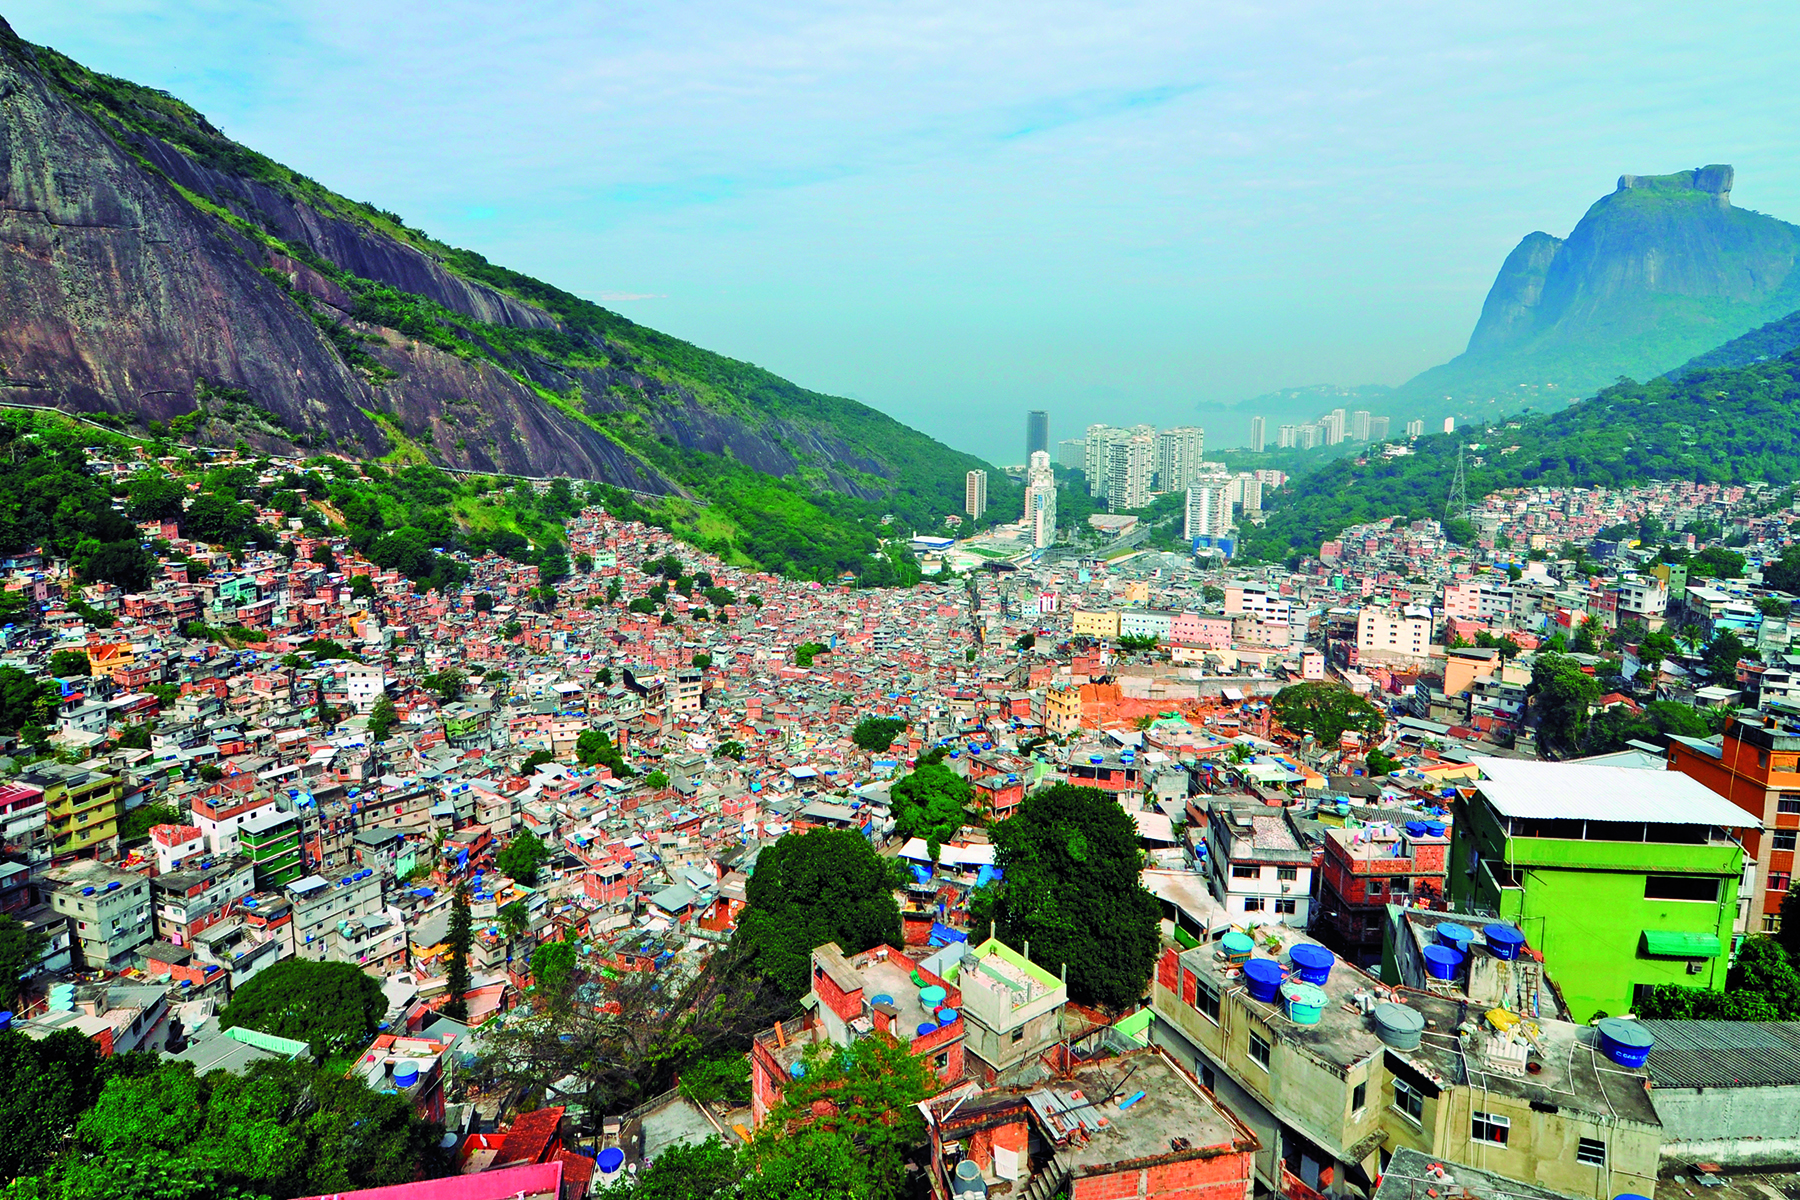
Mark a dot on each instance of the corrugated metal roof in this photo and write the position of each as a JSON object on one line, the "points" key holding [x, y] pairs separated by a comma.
{"points": [[1724, 1053], [1579, 792]]}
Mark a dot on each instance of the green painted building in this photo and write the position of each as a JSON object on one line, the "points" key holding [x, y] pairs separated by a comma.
{"points": [[272, 842], [1621, 878]]}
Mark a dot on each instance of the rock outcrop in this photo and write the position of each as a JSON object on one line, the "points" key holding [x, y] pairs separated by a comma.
{"points": [[147, 262], [1656, 272]]}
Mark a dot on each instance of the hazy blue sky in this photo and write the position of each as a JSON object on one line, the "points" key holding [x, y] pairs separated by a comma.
{"points": [[960, 211]]}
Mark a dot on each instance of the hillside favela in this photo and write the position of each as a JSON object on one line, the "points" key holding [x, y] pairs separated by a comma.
{"points": [[461, 738]]}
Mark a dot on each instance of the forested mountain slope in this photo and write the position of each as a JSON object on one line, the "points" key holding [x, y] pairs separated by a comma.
{"points": [[1727, 424], [156, 270]]}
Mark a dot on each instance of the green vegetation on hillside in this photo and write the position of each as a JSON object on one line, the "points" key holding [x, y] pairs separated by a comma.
{"points": [[1730, 425], [820, 521]]}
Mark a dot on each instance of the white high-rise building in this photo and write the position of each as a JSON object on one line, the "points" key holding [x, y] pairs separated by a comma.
{"points": [[1415, 429], [1094, 456], [1378, 429], [1178, 454], [1359, 425], [1071, 454], [1208, 510], [975, 494], [1246, 491], [1258, 433], [1130, 463], [1287, 437], [1040, 501], [1306, 437], [1334, 426], [1449, 424]]}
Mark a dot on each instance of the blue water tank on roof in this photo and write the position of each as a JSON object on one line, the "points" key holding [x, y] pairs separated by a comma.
{"points": [[1263, 977], [1441, 962], [1503, 941]]}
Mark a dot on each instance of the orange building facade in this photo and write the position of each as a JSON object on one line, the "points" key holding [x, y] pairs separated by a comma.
{"points": [[1757, 768]]}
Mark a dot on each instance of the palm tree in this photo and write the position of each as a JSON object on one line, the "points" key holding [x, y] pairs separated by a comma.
{"points": [[515, 922]]}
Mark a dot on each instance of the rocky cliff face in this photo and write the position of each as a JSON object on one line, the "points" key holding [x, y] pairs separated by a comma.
{"points": [[1658, 271], [147, 263]]}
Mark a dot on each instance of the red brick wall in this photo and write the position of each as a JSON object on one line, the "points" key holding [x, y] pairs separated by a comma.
{"points": [[1167, 967], [847, 1005], [1222, 1177], [765, 1074]]}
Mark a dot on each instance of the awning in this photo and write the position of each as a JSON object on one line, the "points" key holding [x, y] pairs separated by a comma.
{"points": [[1663, 943]]}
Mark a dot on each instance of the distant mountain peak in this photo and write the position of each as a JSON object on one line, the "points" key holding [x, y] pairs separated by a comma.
{"points": [[1714, 180], [1659, 270]]}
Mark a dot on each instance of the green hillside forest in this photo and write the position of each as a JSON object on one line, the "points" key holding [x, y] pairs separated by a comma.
{"points": [[725, 454], [1727, 424]]}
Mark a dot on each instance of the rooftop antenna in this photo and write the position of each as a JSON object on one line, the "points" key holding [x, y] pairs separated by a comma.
{"points": [[1457, 505]]}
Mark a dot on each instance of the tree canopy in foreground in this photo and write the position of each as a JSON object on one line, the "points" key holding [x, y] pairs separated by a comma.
{"points": [[1071, 889]]}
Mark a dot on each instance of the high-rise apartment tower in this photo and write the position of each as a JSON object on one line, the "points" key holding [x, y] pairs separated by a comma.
{"points": [[975, 494]]}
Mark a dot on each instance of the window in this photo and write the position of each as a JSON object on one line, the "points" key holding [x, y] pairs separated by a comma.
{"points": [[1018, 1035], [1376, 887], [1358, 1096], [1779, 880], [1591, 1151], [1408, 1101], [1784, 839], [1206, 1001], [1287, 873], [1287, 906], [1491, 1128], [1681, 887], [1240, 872], [1253, 904], [941, 1061], [1762, 758], [1788, 803], [1206, 1077], [1771, 923], [1259, 1050]]}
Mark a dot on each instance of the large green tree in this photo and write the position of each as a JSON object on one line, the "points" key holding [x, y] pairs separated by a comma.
{"points": [[1071, 889], [931, 803], [20, 950], [595, 748], [124, 563], [335, 1007], [1722, 656], [1326, 711], [49, 1084], [24, 700], [279, 1130], [1561, 694], [522, 857], [873, 1087], [824, 885], [876, 734]]}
